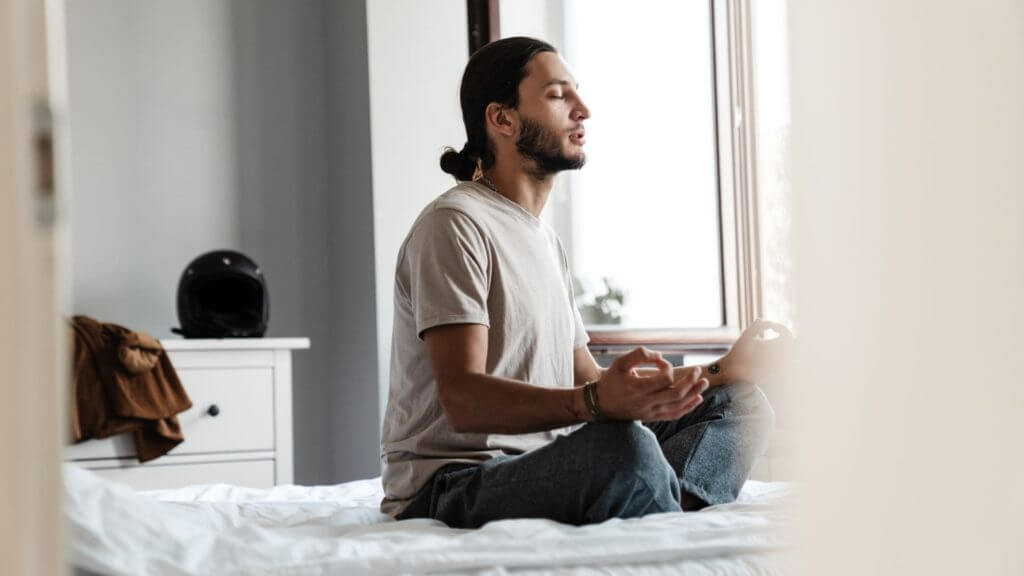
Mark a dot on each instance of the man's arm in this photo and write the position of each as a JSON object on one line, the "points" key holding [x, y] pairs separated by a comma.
{"points": [[587, 369], [477, 402], [753, 358], [584, 367], [723, 374]]}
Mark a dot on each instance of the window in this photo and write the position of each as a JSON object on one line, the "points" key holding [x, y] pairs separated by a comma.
{"points": [[644, 211], [661, 226], [771, 89]]}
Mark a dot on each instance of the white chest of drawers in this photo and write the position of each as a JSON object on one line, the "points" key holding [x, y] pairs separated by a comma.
{"points": [[238, 431]]}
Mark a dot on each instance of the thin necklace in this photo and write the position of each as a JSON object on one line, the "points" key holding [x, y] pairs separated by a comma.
{"points": [[487, 182], [483, 179]]}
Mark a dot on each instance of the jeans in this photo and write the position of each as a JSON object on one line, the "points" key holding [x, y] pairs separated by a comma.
{"points": [[611, 469]]}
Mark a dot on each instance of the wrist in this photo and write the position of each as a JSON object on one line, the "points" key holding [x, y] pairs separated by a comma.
{"points": [[720, 371], [592, 401], [579, 405]]}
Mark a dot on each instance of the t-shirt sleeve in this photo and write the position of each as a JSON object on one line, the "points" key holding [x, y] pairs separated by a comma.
{"points": [[580, 336], [449, 271]]}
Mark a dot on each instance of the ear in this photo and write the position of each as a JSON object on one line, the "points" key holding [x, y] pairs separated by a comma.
{"points": [[501, 119]]}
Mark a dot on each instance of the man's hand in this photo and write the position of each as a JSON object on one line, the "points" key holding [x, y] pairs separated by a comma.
{"points": [[757, 358], [626, 395]]}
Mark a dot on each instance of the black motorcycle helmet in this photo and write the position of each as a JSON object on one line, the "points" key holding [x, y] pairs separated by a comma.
{"points": [[222, 294]]}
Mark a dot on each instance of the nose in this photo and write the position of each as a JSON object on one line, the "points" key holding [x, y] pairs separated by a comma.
{"points": [[580, 112]]}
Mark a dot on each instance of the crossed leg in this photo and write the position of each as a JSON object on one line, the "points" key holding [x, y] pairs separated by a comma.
{"points": [[612, 469]]}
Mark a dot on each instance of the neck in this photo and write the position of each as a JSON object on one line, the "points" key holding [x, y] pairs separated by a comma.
{"points": [[521, 187]]}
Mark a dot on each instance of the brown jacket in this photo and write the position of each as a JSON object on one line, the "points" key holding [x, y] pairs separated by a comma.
{"points": [[123, 381]]}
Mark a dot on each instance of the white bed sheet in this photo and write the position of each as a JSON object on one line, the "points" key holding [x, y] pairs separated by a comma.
{"points": [[220, 529]]}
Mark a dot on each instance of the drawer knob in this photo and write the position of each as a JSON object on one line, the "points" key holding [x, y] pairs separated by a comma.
{"points": [[213, 410]]}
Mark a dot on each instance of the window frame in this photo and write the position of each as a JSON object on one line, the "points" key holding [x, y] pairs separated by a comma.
{"points": [[484, 22], [736, 154]]}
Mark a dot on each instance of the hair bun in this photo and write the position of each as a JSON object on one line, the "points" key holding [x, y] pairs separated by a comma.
{"points": [[451, 161], [458, 164]]}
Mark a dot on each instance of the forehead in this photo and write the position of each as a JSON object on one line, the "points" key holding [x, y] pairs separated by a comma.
{"points": [[546, 68]]}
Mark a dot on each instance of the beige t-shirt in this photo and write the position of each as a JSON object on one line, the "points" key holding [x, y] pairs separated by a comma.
{"points": [[473, 257]]}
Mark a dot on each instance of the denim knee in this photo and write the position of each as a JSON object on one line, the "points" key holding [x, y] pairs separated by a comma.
{"points": [[625, 443], [746, 399], [632, 459], [746, 402]]}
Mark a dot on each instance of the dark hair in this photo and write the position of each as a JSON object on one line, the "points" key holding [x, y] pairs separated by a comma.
{"points": [[492, 74]]}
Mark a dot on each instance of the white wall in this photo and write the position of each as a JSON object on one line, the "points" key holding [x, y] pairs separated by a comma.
{"points": [[202, 124], [542, 19], [417, 51]]}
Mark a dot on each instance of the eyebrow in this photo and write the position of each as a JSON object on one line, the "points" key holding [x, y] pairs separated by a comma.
{"points": [[560, 82]]}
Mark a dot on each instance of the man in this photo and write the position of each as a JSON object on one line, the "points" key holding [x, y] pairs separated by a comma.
{"points": [[496, 407]]}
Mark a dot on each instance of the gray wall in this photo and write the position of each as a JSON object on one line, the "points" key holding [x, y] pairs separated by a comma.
{"points": [[154, 183], [243, 124], [353, 320]]}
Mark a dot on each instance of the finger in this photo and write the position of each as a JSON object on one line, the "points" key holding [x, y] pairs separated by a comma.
{"points": [[636, 357], [775, 350], [777, 326], [697, 389], [765, 325], [685, 377], [675, 410], [664, 367], [751, 332], [692, 374], [654, 382], [682, 392]]}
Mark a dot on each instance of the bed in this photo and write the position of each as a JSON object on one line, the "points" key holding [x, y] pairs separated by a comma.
{"points": [[222, 529]]}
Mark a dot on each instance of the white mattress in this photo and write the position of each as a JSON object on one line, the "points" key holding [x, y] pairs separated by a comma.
{"points": [[220, 529]]}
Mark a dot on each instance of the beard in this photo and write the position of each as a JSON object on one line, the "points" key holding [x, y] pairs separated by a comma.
{"points": [[543, 148]]}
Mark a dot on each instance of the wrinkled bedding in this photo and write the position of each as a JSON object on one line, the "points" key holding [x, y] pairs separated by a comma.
{"points": [[221, 529]]}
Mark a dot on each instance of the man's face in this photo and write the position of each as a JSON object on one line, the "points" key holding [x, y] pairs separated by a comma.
{"points": [[551, 115]]}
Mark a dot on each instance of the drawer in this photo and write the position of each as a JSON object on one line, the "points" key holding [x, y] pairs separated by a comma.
{"points": [[245, 400], [244, 422], [153, 476]]}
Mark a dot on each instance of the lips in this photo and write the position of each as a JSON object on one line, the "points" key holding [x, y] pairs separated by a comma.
{"points": [[578, 136]]}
